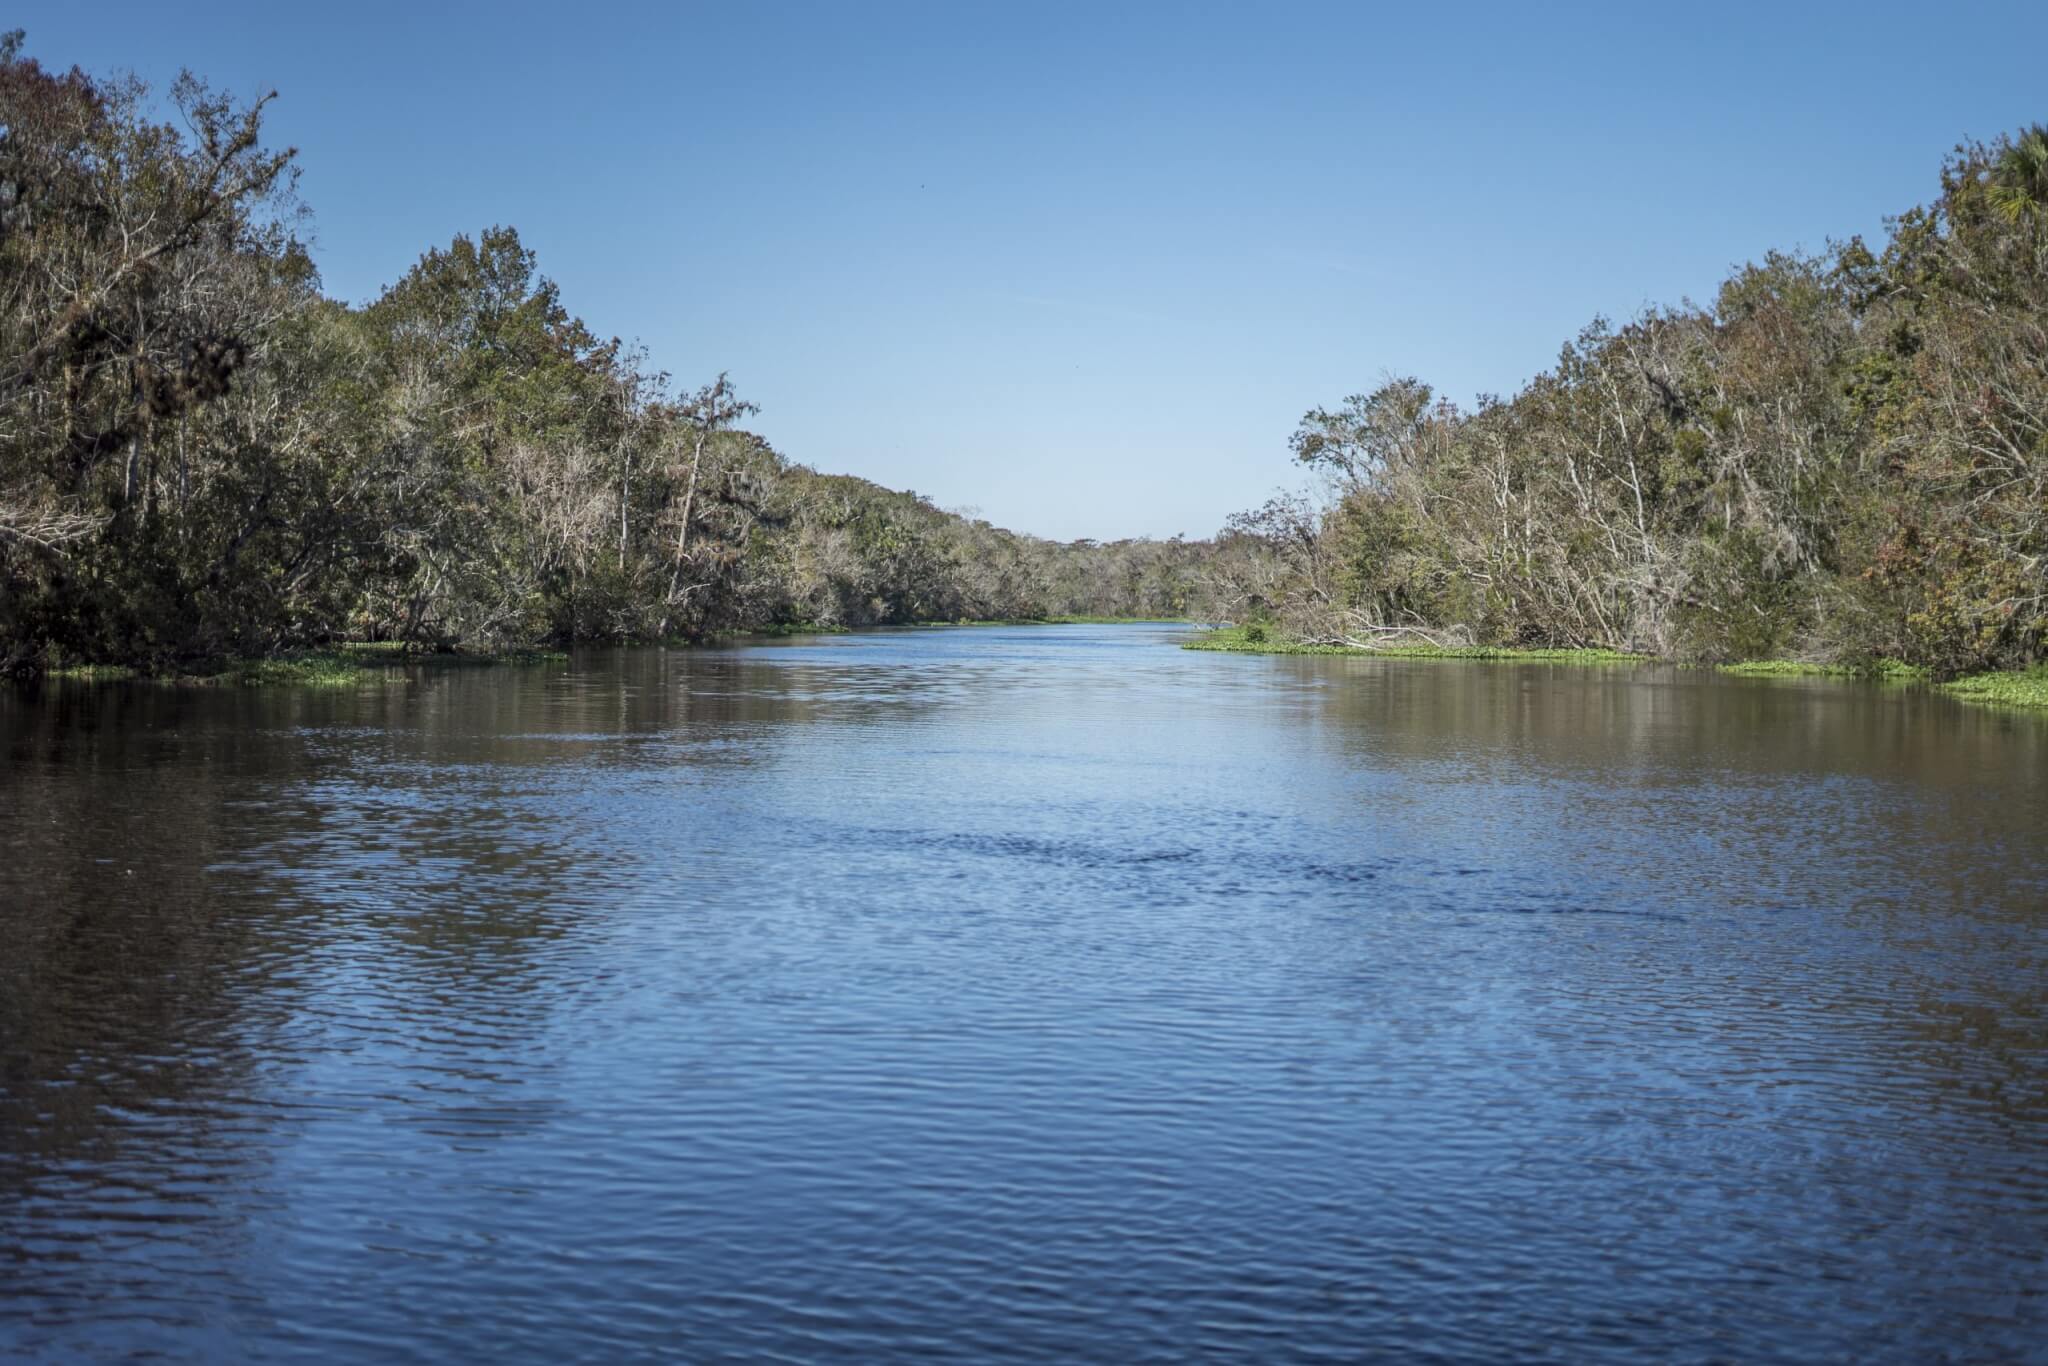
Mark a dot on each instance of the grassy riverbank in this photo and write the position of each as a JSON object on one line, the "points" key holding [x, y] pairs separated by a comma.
{"points": [[1251, 640], [2006, 688], [357, 661], [340, 666], [2010, 688], [1890, 670]]}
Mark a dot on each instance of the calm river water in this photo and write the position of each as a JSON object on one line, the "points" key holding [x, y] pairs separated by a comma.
{"points": [[1047, 993]]}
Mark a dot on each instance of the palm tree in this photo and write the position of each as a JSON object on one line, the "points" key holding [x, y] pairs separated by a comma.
{"points": [[2019, 178]]}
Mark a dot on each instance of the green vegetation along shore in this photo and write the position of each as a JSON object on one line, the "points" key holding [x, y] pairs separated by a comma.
{"points": [[2007, 687], [1259, 640], [1842, 458], [337, 666], [202, 456], [1889, 669], [362, 661]]}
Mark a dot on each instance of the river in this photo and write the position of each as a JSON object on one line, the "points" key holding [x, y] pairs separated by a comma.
{"points": [[1046, 993]]}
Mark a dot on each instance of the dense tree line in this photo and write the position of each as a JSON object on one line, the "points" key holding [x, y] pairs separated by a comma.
{"points": [[1844, 457], [202, 456]]}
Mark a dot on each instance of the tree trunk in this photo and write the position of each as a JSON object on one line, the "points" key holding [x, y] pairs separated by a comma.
{"points": [[675, 575]]}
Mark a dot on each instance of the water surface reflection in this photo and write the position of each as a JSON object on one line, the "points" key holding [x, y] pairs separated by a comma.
{"points": [[1045, 992]]}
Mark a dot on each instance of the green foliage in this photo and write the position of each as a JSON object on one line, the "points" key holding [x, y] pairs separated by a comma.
{"points": [[94, 673], [1741, 603], [1253, 640], [343, 665], [1890, 670], [202, 459], [1844, 459], [2011, 688], [2018, 180]]}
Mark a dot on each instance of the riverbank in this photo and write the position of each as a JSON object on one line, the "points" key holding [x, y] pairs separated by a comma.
{"points": [[1890, 670], [2013, 688], [351, 663], [362, 661], [1252, 640], [2008, 688], [339, 666]]}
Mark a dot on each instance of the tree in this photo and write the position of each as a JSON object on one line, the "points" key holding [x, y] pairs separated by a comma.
{"points": [[702, 415], [2019, 177], [142, 266]]}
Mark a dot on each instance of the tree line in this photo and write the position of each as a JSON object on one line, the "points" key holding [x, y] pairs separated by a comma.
{"points": [[202, 456], [1843, 458]]}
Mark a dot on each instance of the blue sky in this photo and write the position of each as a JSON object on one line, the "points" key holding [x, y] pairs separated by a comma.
{"points": [[1082, 267]]}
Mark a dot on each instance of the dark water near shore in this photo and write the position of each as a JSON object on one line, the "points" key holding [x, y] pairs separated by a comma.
{"points": [[1045, 993]]}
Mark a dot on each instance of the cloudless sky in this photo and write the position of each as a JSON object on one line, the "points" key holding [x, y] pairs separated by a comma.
{"points": [[1082, 267]]}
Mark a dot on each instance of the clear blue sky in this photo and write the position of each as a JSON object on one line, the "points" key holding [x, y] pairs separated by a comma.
{"points": [[1082, 267]]}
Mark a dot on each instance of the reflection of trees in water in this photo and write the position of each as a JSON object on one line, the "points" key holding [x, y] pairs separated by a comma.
{"points": [[372, 933], [165, 987], [1850, 863], [469, 832], [1625, 718], [205, 886], [135, 994], [1694, 765]]}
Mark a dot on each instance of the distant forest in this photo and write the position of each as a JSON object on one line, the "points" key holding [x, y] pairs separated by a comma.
{"points": [[1844, 457], [202, 457]]}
